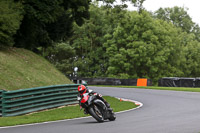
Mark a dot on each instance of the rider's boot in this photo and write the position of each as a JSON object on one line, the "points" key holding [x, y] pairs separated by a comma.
{"points": [[108, 106], [85, 111]]}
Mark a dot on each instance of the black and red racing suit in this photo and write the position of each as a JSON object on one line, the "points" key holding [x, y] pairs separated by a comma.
{"points": [[91, 92]]}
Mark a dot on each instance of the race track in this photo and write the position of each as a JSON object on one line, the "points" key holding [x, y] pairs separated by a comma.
{"points": [[162, 112]]}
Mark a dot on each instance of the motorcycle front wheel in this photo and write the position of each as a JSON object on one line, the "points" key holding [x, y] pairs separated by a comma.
{"points": [[96, 113], [112, 116]]}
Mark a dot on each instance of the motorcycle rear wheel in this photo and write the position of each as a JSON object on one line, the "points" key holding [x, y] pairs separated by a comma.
{"points": [[96, 113]]}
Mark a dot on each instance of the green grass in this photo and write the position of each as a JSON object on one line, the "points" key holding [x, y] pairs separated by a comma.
{"points": [[157, 88], [61, 113], [20, 68], [172, 88]]}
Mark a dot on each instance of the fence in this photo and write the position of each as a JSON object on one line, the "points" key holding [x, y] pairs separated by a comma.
{"points": [[34, 99], [109, 81], [179, 82]]}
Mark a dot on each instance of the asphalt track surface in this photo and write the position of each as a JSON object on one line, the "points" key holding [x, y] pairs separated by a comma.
{"points": [[162, 112]]}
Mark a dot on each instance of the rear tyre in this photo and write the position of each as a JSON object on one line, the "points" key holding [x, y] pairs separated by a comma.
{"points": [[96, 113]]}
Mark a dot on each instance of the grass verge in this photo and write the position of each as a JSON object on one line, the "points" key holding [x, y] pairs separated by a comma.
{"points": [[156, 88], [67, 112], [172, 88]]}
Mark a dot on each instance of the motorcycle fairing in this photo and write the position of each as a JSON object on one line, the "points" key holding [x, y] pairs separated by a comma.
{"points": [[85, 98]]}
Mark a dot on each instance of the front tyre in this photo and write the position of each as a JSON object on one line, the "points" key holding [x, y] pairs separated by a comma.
{"points": [[112, 116], [96, 113]]}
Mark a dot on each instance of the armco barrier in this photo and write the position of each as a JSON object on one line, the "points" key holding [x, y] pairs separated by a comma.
{"points": [[34, 99]]}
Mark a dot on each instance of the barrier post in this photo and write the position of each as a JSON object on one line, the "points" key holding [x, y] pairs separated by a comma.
{"points": [[2, 103]]}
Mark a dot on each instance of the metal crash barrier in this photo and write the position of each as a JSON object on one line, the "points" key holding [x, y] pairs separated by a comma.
{"points": [[18, 102]]}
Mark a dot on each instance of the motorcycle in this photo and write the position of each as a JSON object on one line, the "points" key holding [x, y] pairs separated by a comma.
{"points": [[96, 108]]}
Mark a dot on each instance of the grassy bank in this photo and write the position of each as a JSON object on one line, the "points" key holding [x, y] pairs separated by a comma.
{"points": [[20, 68], [61, 113]]}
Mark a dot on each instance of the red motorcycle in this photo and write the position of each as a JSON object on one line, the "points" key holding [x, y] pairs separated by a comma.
{"points": [[97, 108]]}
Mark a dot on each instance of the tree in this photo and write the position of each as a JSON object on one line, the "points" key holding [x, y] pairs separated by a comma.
{"points": [[178, 16], [47, 21], [191, 50], [62, 56], [118, 43], [144, 48], [10, 19], [196, 32], [90, 38], [87, 41], [189, 38], [138, 4]]}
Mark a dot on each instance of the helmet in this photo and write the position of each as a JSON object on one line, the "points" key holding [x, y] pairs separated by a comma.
{"points": [[82, 89]]}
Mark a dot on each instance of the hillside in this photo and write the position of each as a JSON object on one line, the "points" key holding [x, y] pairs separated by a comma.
{"points": [[20, 68]]}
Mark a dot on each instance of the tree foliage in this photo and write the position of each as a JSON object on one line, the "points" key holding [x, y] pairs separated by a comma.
{"points": [[62, 56], [48, 21], [178, 16], [143, 48], [118, 43], [10, 19], [106, 40], [138, 4], [88, 40]]}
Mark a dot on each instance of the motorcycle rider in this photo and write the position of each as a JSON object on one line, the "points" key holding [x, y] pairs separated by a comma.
{"points": [[82, 90]]}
